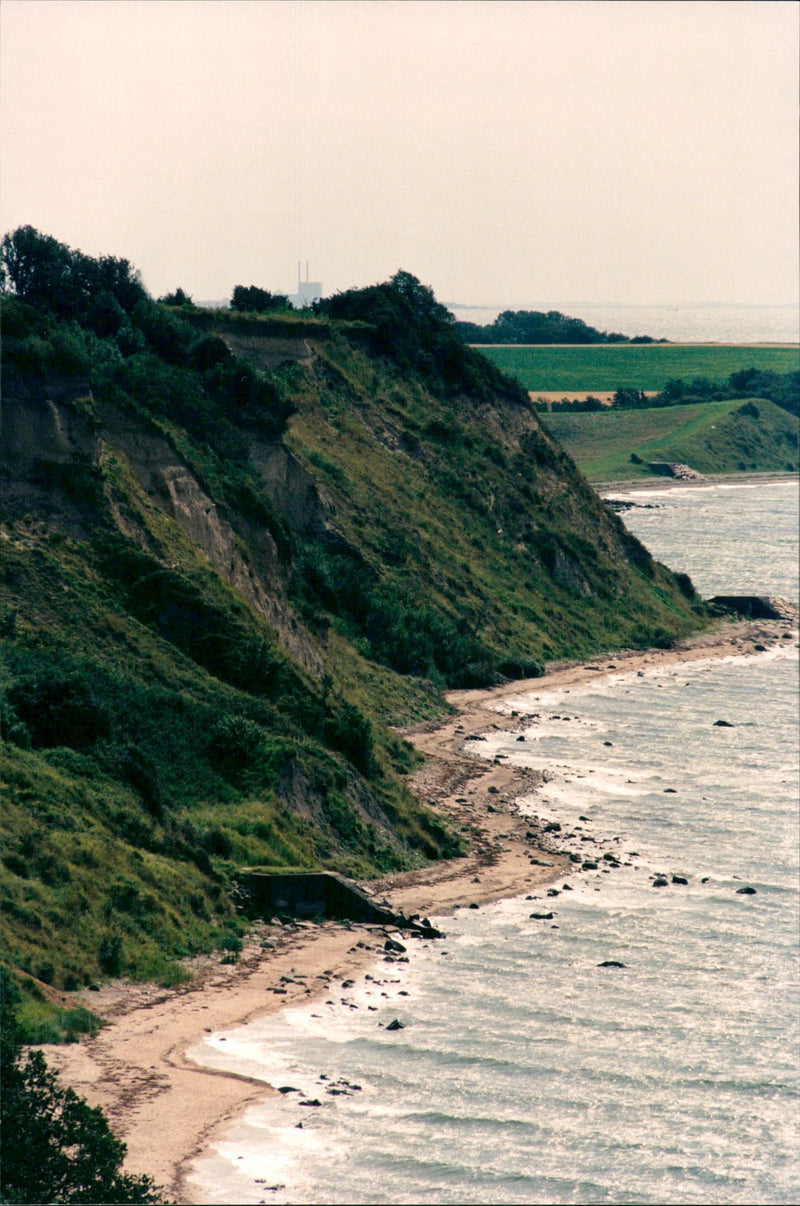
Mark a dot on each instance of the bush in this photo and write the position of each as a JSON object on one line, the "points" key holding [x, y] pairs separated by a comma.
{"points": [[56, 1148]]}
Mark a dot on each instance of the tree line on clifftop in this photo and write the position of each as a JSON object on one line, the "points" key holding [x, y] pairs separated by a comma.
{"points": [[536, 326]]}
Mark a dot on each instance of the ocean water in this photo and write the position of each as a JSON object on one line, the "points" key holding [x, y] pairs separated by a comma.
{"points": [[525, 1071], [735, 537], [679, 324]]}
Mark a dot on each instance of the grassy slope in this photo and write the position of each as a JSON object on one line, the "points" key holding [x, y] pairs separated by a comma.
{"points": [[604, 367], [158, 733], [489, 533], [712, 437]]}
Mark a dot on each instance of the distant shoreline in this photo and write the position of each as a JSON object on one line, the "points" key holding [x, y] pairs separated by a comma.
{"points": [[655, 343], [716, 479]]}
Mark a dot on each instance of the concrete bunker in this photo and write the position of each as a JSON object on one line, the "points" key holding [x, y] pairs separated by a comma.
{"points": [[320, 894]]}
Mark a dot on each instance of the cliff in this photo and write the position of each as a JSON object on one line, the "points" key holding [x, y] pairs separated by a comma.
{"points": [[235, 553]]}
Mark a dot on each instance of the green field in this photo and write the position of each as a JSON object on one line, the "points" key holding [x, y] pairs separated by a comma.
{"points": [[712, 437], [603, 367]]}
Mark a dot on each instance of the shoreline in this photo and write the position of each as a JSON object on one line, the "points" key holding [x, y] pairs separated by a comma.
{"points": [[742, 480], [163, 1106]]}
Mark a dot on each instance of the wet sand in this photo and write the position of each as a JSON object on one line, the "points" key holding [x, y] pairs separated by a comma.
{"points": [[167, 1109]]}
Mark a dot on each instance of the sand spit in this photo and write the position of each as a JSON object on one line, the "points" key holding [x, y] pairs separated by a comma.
{"points": [[167, 1109]]}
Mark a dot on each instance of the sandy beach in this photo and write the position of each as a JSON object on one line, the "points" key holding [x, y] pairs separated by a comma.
{"points": [[167, 1109]]}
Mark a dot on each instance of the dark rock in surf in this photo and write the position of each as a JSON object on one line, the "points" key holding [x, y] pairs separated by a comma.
{"points": [[723, 724], [660, 882], [395, 1025], [611, 963], [745, 891], [542, 916], [679, 879]]}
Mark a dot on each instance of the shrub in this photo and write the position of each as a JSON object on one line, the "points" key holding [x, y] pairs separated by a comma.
{"points": [[56, 1148]]}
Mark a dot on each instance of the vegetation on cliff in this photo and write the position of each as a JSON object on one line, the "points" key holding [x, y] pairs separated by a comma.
{"points": [[239, 548]]}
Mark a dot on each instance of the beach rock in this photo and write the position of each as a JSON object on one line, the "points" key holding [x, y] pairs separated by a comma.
{"points": [[542, 916], [552, 892], [660, 882], [679, 879], [722, 724], [611, 963], [521, 737], [313, 1102], [552, 827], [589, 866], [745, 891], [395, 1025], [474, 905], [391, 945], [288, 1089]]}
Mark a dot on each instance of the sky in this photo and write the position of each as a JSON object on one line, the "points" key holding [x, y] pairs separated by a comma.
{"points": [[506, 153]]}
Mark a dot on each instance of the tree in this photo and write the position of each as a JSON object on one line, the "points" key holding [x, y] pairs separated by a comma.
{"points": [[178, 298], [255, 300], [49, 275], [55, 1147], [36, 266]]}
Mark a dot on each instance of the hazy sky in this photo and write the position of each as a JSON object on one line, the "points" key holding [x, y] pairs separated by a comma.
{"points": [[523, 153]]}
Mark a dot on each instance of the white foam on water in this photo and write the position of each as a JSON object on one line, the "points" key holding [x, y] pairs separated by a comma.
{"points": [[526, 1071]]}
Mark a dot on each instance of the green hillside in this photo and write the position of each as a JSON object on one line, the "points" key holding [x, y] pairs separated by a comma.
{"points": [[237, 550], [712, 437], [605, 367]]}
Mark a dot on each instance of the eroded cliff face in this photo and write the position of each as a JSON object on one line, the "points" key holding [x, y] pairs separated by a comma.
{"points": [[61, 469]]}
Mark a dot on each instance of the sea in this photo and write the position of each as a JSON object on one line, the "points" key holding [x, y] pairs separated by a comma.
{"points": [[640, 1045], [632, 1042]]}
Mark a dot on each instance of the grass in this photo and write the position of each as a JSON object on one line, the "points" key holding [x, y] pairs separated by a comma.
{"points": [[605, 367], [160, 734], [712, 437]]}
